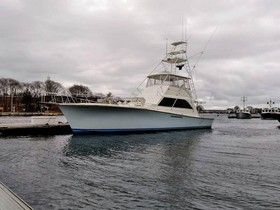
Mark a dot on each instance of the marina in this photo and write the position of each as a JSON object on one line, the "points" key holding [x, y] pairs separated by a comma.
{"points": [[136, 105]]}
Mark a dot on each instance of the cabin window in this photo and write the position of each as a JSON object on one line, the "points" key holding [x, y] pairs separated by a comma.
{"points": [[167, 102], [172, 102], [168, 80], [153, 81], [182, 104]]}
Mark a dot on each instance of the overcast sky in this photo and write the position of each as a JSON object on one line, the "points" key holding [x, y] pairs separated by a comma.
{"points": [[113, 45]]}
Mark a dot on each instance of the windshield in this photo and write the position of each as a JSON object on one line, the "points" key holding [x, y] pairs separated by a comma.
{"points": [[168, 80]]}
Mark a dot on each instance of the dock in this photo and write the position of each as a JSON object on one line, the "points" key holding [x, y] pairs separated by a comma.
{"points": [[34, 129], [10, 201], [253, 116]]}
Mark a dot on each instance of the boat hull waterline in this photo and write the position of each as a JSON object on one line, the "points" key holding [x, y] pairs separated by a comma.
{"points": [[93, 118], [270, 116], [243, 115]]}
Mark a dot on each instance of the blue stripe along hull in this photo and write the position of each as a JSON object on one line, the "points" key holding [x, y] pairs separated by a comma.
{"points": [[144, 130]]}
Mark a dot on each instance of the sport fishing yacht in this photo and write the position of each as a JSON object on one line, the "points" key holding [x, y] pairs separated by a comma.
{"points": [[167, 102]]}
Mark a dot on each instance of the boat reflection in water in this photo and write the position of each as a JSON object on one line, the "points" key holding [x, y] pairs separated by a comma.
{"points": [[114, 145]]}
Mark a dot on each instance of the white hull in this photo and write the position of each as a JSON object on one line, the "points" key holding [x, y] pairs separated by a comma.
{"points": [[87, 118]]}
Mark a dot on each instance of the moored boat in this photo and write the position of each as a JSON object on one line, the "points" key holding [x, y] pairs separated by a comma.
{"points": [[168, 102], [243, 113], [270, 113]]}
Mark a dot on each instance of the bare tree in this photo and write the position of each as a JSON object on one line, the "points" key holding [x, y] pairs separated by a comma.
{"points": [[109, 95], [26, 99], [26, 86], [3, 92], [236, 108], [80, 90], [14, 86], [3, 86], [52, 86], [37, 88]]}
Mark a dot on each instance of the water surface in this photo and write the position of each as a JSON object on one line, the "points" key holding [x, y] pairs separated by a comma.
{"points": [[233, 166]]}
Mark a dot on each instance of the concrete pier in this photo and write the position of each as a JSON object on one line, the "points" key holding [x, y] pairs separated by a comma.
{"points": [[10, 201], [37, 129]]}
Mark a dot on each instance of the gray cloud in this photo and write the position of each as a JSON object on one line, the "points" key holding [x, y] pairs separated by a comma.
{"points": [[113, 45]]}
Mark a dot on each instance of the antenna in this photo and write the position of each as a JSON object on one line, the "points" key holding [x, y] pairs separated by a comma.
{"points": [[166, 47], [270, 103], [243, 99], [184, 29], [206, 45]]}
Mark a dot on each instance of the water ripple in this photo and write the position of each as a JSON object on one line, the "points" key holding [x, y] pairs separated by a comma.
{"points": [[233, 166]]}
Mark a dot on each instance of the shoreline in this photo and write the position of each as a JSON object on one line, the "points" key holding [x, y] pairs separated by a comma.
{"points": [[29, 114]]}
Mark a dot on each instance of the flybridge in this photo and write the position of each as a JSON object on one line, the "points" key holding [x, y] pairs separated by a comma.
{"points": [[172, 56], [177, 52], [167, 78], [178, 43], [162, 75], [175, 60]]}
